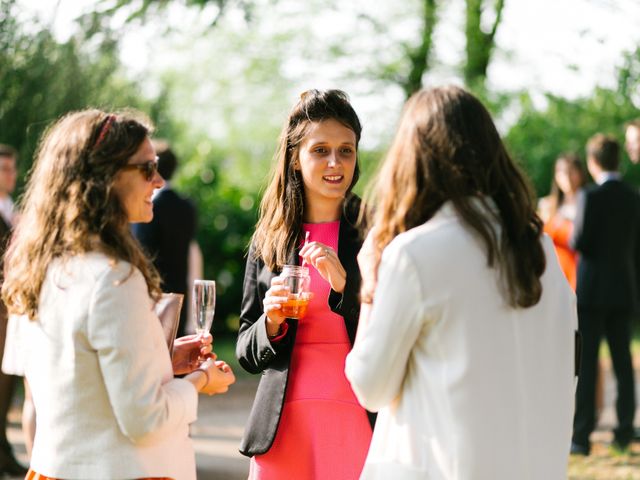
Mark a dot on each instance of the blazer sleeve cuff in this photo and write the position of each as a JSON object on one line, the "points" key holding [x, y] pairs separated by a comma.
{"points": [[335, 300], [284, 328], [345, 304], [186, 392]]}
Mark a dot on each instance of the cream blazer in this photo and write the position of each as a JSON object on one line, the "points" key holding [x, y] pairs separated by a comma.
{"points": [[106, 401], [466, 386]]}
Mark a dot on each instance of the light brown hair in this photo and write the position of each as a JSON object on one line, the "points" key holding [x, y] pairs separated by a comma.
{"points": [[70, 207], [447, 148], [282, 207]]}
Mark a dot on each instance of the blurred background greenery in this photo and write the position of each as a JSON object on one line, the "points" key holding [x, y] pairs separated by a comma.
{"points": [[218, 76]]}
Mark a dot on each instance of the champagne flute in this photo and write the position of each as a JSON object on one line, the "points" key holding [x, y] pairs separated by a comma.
{"points": [[203, 302]]}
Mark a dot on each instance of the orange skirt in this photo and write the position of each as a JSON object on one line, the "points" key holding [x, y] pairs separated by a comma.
{"points": [[31, 475]]}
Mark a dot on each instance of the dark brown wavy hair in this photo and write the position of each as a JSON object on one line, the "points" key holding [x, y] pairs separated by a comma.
{"points": [[447, 148], [69, 206], [282, 206]]}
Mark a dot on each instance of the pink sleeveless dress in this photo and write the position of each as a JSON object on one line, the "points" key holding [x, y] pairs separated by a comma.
{"points": [[323, 432]]}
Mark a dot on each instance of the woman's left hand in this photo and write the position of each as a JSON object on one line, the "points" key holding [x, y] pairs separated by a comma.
{"points": [[189, 350], [325, 260]]}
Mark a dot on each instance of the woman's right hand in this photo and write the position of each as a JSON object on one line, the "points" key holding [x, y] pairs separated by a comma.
{"points": [[220, 376], [275, 297]]}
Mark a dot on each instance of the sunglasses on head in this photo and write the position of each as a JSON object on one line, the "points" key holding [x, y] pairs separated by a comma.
{"points": [[148, 169]]}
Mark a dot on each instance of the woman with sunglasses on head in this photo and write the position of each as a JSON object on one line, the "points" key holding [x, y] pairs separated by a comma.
{"points": [[306, 422], [465, 345], [102, 378]]}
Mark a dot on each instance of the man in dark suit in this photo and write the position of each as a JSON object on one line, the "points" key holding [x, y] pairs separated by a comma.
{"points": [[168, 237], [607, 237], [8, 174]]}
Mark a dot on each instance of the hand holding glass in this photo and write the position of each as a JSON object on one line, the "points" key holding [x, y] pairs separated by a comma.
{"points": [[297, 280], [203, 302]]}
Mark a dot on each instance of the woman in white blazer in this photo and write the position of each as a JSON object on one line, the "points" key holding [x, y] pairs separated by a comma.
{"points": [[102, 379], [466, 348]]}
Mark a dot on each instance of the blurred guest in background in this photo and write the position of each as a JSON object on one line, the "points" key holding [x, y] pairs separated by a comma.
{"points": [[460, 293], [607, 237], [632, 140], [8, 175], [558, 210]]}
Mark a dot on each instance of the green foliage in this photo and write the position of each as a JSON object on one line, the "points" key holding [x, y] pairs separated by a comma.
{"points": [[541, 135], [42, 79], [224, 124], [226, 217]]}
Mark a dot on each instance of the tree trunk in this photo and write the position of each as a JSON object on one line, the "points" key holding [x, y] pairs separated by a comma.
{"points": [[419, 57], [479, 43]]}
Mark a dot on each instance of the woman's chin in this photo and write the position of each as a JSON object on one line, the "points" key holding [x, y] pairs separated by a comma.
{"points": [[142, 218]]}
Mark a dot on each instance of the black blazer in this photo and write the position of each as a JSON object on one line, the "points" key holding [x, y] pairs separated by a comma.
{"points": [[166, 240], [258, 355], [607, 237]]}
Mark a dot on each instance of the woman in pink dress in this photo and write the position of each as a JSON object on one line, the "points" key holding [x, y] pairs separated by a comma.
{"points": [[306, 422]]}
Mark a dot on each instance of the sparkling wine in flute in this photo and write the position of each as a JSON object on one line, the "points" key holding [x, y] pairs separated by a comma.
{"points": [[204, 304]]}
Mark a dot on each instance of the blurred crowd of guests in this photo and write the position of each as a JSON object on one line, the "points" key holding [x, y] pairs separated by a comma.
{"points": [[595, 230]]}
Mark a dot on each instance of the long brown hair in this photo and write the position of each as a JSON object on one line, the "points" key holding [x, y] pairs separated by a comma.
{"points": [[282, 206], [447, 148], [69, 206]]}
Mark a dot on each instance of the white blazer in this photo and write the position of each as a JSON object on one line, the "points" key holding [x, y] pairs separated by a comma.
{"points": [[106, 401], [466, 386]]}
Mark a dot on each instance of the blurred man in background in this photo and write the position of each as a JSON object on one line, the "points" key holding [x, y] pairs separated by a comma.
{"points": [[170, 237]]}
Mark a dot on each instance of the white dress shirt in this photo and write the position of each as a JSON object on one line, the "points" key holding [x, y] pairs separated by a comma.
{"points": [[97, 362], [605, 176], [466, 386]]}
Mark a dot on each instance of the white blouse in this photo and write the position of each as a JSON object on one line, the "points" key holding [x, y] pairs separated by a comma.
{"points": [[466, 386]]}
